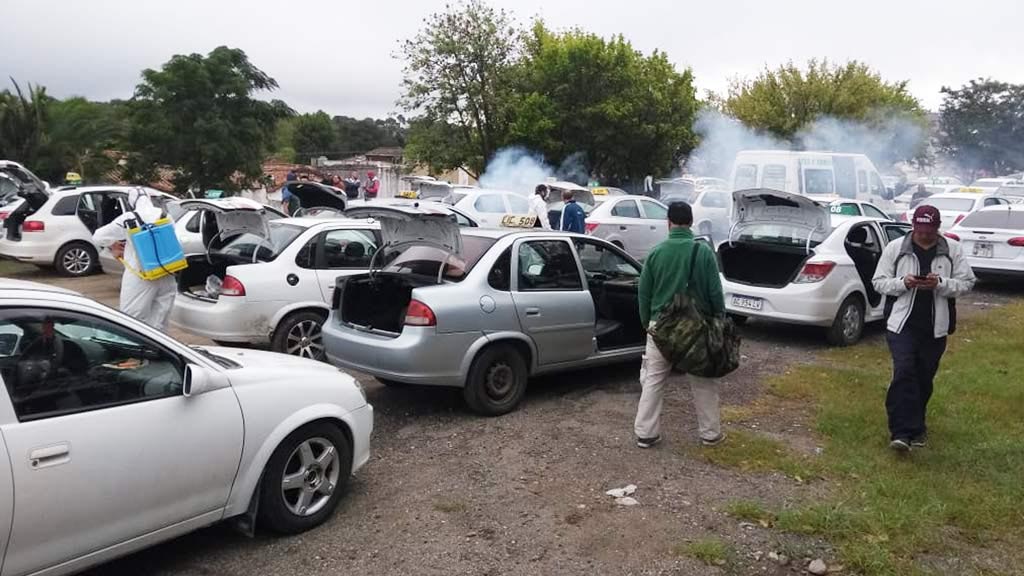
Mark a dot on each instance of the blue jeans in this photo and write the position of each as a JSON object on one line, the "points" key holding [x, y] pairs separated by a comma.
{"points": [[915, 360]]}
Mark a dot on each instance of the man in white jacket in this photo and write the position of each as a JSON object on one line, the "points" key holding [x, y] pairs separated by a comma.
{"points": [[147, 300], [539, 207], [920, 275]]}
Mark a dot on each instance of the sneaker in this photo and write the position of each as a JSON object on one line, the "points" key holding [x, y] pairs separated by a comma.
{"points": [[713, 441], [900, 445], [647, 442], [919, 441]]}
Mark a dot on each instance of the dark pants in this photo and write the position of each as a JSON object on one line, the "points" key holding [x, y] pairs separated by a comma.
{"points": [[915, 360]]}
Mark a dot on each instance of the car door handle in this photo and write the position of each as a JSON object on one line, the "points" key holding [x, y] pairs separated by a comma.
{"points": [[54, 455], [533, 311], [622, 228]]}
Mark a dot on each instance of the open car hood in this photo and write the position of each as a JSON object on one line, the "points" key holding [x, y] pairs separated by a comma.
{"points": [[413, 223], [761, 206], [314, 195], [18, 181], [235, 216]]}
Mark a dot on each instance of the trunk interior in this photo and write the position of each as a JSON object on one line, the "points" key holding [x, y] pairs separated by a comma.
{"points": [[377, 303], [30, 206], [761, 264], [193, 281]]}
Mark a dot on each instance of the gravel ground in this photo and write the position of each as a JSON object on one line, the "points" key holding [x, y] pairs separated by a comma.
{"points": [[450, 493]]}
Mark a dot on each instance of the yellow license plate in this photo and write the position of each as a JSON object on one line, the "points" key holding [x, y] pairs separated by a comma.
{"points": [[518, 221], [407, 194]]}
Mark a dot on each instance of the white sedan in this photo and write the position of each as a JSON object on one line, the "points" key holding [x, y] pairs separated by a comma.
{"points": [[993, 241], [487, 207], [788, 261], [954, 207], [117, 437], [634, 223]]}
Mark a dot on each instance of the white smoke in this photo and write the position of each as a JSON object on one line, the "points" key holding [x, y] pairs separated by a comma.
{"points": [[517, 169], [721, 137]]}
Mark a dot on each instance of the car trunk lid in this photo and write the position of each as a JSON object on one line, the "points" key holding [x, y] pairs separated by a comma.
{"points": [[312, 195], [414, 223], [232, 217], [782, 216]]}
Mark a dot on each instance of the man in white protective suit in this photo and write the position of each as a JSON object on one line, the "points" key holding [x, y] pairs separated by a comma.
{"points": [[149, 301]]}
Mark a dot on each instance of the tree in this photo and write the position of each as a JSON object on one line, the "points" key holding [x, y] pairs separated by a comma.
{"points": [[982, 127], [458, 82], [198, 115], [313, 135], [23, 121], [359, 136], [788, 100], [80, 135], [627, 114]]}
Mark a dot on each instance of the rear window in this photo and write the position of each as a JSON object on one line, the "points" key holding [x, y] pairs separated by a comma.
{"points": [[66, 206], [818, 181], [434, 191], [266, 250], [845, 209], [997, 219], [951, 204], [427, 260]]}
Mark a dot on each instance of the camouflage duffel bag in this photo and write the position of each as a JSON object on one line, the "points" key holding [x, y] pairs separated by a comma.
{"points": [[694, 343]]}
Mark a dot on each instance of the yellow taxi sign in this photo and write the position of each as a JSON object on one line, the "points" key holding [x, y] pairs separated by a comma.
{"points": [[411, 194], [518, 221], [972, 190], [599, 191]]}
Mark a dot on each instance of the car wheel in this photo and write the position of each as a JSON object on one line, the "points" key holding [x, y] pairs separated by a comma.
{"points": [[738, 319], [301, 334], [76, 259], [848, 325], [497, 381], [305, 478]]}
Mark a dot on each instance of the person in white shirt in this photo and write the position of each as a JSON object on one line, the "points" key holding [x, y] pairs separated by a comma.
{"points": [[539, 207]]}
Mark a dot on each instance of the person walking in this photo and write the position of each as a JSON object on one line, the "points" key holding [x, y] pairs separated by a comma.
{"points": [[372, 185], [649, 185], [666, 273], [574, 219], [920, 275], [352, 184], [149, 301], [539, 207]]}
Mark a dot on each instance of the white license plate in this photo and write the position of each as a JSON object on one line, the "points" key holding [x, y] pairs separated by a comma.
{"points": [[982, 249], [747, 302], [518, 221]]}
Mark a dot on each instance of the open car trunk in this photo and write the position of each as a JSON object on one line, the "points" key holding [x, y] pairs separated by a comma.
{"points": [[761, 264], [376, 302], [196, 281]]}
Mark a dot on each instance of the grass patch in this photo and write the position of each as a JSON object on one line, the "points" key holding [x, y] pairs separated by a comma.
{"points": [[750, 511], [710, 551], [10, 267], [965, 490], [449, 506], [751, 452]]}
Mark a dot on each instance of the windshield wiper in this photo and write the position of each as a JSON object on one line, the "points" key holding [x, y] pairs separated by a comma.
{"points": [[216, 358]]}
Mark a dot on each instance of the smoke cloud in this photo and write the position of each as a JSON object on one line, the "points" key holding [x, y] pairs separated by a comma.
{"points": [[517, 169]]}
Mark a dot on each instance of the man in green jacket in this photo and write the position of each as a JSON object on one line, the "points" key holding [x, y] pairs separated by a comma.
{"points": [[665, 274]]}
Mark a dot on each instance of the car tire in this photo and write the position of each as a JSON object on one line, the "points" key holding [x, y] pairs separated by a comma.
{"points": [[848, 325], [301, 334], [497, 381], [76, 259], [738, 319], [299, 490]]}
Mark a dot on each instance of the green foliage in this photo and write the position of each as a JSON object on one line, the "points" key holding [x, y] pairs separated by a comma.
{"points": [[23, 118], [458, 81], [359, 136], [629, 114], [982, 127], [787, 100], [79, 135], [312, 135], [753, 452], [710, 551], [198, 115]]}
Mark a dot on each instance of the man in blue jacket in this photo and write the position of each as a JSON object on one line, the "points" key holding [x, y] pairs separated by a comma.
{"points": [[574, 219]]}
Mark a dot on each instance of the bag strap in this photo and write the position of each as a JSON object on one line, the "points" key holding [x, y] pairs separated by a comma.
{"points": [[693, 262]]}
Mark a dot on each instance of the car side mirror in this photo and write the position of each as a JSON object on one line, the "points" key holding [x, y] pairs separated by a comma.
{"points": [[200, 380]]}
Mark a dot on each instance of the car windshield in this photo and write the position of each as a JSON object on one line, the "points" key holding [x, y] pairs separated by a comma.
{"points": [[426, 260], [244, 246], [432, 191], [996, 219], [951, 204]]}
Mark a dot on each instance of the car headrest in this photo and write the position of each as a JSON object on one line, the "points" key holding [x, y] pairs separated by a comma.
{"points": [[355, 250], [858, 236]]}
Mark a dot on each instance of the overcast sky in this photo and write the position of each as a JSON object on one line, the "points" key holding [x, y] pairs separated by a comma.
{"points": [[337, 55]]}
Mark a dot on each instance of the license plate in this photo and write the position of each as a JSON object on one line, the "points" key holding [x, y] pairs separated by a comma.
{"points": [[747, 303], [982, 249], [518, 221]]}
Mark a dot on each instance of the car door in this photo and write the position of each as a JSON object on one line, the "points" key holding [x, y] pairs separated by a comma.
{"points": [[554, 307], [104, 446], [343, 252], [656, 220], [516, 204], [628, 226]]}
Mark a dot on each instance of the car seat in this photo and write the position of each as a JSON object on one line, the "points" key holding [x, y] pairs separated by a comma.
{"points": [[355, 253], [865, 258]]}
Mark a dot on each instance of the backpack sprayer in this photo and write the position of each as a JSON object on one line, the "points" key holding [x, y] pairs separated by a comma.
{"points": [[157, 246]]}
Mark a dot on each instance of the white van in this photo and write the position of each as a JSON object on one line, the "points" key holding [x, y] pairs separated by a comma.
{"points": [[823, 176]]}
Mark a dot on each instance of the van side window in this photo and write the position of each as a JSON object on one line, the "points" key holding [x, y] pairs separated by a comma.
{"points": [[746, 177], [774, 177], [877, 187], [862, 182], [818, 181]]}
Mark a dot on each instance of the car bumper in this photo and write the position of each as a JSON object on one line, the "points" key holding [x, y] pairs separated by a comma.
{"points": [[28, 251], [810, 304], [997, 267], [418, 356], [361, 424], [226, 320]]}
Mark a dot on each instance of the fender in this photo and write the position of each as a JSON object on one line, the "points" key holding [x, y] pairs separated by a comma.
{"points": [[294, 307], [491, 338], [249, 473]]}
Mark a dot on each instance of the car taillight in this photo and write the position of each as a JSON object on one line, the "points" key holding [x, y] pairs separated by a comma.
{"points": [[1018, 242], [952, 236], [814, 272], [959, 218], [591, 226], [419, 314], [4, 215], [33, 226], [232, 287]]}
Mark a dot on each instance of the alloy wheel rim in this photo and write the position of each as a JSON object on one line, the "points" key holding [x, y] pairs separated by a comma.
{"points": [[77, 260], [851, 322], [310, 476], [305, 340]]}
